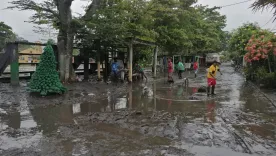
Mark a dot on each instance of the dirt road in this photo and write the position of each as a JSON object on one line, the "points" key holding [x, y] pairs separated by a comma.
{"points": [[152, 118]]}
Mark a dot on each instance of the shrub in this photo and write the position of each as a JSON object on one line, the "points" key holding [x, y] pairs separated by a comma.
{"points": [[264, 77]]}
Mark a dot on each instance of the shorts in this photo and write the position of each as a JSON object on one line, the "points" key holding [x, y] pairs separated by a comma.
{"points": [[211, 82], [196, 70], [170, 74]]}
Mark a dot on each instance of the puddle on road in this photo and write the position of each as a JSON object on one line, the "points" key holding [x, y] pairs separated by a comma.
{"points": [[264, 131], [235, 103], [213, 151]]}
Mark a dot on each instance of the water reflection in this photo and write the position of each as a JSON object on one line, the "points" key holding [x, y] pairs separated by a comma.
{"points": [[14, 120], [210, 115], [139, 96]]}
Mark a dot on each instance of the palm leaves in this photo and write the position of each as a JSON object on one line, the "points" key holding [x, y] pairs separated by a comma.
{"points": [[264, 4]]}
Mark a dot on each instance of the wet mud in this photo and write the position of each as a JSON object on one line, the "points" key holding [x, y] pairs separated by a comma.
{"points": [[145, 118]]}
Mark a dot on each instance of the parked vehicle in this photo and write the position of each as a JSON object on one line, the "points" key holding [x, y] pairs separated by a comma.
{"points": [[211, 57]]}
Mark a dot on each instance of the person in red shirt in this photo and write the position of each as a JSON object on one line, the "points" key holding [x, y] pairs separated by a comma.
{"points": [[196, 68], [170, 71]]}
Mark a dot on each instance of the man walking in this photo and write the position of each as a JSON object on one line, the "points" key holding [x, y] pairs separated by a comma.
{"points": [[211, 78], [180, 68]]}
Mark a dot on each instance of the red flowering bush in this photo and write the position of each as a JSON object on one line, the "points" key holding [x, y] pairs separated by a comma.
{"points": [[260, 46]]}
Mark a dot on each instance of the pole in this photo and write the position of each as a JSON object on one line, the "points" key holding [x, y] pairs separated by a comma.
{"points": [[130, 62], [86, 64], [154, 94], [14, 65], [130, 96], [98, 60], [155, 61], [105, 63]]}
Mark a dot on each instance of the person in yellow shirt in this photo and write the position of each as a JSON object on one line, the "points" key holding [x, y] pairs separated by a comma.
{"points": [[211, 77]]}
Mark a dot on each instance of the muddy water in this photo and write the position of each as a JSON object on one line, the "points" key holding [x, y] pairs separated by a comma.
{"points": [[153, 118]]}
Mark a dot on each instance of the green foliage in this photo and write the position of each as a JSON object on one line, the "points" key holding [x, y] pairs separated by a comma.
{"points": [[260, 5], [209, 36], [175, 26], [240, 37], [76, 52], [6, 35], [44, 12], [51, 41], [260, 46], [265, 77], [45, 80], [143, 56], [261, 72]]}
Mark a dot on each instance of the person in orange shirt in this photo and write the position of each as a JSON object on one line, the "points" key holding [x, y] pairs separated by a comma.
{"points": [[211, 77]]}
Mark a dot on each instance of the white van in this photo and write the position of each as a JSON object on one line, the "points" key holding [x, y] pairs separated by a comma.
{"points": [[211, 57]]}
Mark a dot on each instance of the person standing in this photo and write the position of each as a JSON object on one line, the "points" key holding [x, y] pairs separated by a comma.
{"points": [[211, 78], [196, 68], [170, 71], [140, 70], [180, 68], [114, 68]]}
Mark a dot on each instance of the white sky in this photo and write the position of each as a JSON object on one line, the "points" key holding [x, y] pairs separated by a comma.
{"points": [[236, 16]]}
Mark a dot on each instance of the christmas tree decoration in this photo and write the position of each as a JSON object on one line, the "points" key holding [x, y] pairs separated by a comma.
{"points": [[46, 80]]}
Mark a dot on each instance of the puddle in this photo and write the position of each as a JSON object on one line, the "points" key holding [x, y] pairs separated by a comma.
{"points": [[213, 151], [204, 128], [8, 142], [265, 131]]}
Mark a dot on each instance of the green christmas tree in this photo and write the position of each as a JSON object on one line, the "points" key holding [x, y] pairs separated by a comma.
{"points": [[46, 80]]}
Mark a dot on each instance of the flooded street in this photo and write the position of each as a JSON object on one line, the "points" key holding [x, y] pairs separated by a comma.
{"points": [[153, 118]]}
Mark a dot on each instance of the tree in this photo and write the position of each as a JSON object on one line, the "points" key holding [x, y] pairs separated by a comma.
{"points": [[240, 37], [182, 27], [46, 80], [6, 35], [58, 13], [261, 46], [207, 33], [172, 35], [264, 4]]}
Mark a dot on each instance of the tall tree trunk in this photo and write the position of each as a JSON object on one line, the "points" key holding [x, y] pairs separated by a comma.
{"points": [[61, 57], [65, 40]]}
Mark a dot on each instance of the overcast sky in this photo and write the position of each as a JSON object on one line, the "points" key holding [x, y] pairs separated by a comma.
{"points": [[236, 16]]}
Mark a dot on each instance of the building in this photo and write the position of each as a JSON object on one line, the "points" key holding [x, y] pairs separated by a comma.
{"points": [[30, 54]]}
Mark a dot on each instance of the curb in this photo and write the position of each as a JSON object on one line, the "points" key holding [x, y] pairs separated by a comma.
{"points": [[264, 94]]}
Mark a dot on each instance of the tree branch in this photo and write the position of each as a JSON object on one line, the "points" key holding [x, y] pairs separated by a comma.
{"points": [[47, 6], [92, 8]]}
